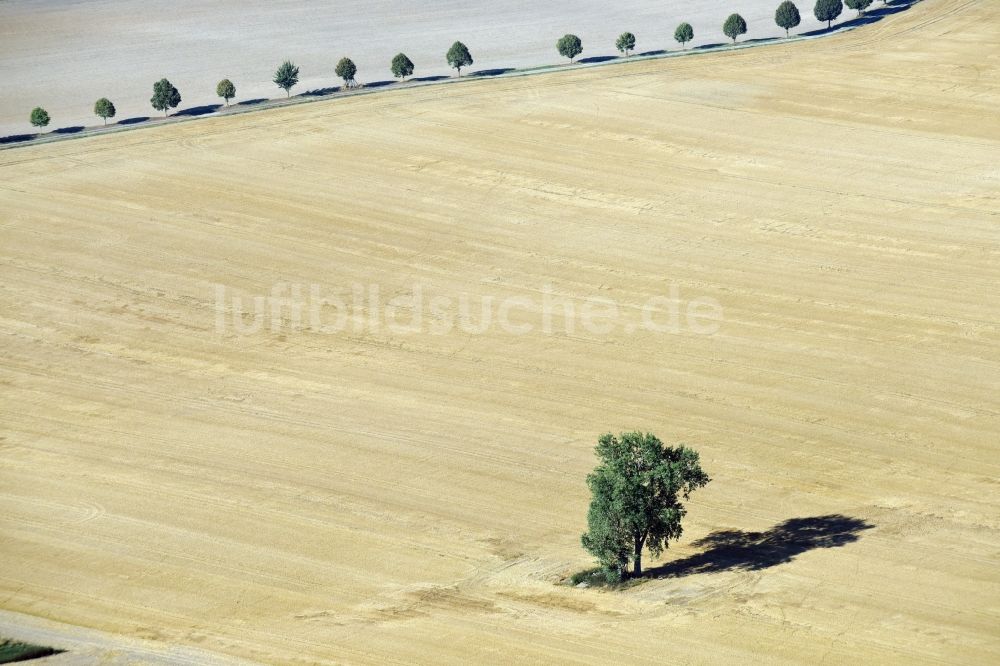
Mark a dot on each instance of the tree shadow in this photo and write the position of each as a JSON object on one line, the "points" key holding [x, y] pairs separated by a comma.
{"points": [[736, 550], [251, 102], [379, 84], [69, 130], [429, 78], [321, 92], [492, 72], [584, 61], [17, 138], [713, 45], [652, 53], [199, 110], [133, 121]]}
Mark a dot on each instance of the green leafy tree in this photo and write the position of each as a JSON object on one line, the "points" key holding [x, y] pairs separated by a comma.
{"points": [[569, 46], [226, 90], [828, 10], [402, 66], [346, 69], [286, 76], [165, 96], [636, 494], [39, 117], [858, 5], [684, 33], [787, 16], [625, 43], [734, 27], [458, 57], [103, 108]]}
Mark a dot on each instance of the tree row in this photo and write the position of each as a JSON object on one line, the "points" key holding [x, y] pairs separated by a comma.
{"points": [[166, 96]]}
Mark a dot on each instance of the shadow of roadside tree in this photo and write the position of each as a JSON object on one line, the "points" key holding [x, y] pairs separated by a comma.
{"points": [[736, 550]]}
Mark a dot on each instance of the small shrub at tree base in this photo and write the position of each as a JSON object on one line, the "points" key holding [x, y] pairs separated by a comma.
{"points": [[734, 27], [39, 117], [286, 76], [165, 96], [636, 494], [402, 66], [226, 90], [828, 10], [103, 108], [597, 577], [569, 46], [787, 16], [458, 56], [625, 43], [684, 33]]}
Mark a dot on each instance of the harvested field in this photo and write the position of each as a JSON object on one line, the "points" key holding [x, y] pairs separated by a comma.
{"points": [[290, 495]]}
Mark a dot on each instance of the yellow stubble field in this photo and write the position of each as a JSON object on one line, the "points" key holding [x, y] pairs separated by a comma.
{"points": [[372, 495]]}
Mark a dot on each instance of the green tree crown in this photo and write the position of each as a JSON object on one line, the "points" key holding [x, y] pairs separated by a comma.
{"points": [[346, 69], [458, 57], [684, 33], [859, 5], [103, 108], [625, 43], [402, 66], [787, 16], [226, 90], [39, 117], [165, 96], [828, 10], [734, 27], [569, 46], [286, 76], [636, 499]]}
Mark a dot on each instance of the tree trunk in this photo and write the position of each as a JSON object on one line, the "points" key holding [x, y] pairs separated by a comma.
{"points": [[640, 541]]}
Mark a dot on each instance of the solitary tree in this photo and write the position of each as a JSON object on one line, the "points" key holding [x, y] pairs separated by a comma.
{"points": [[346, 69], [684, 33], [226, 90], [39, 117], [625, 43], [458, 57], [402, 66], [636, 494], [569, 46], [787, 16], [286, 76], [103, 108], [828, 10], [734, 27], [165, 96], [859, 5]]}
